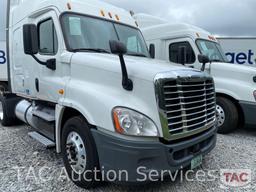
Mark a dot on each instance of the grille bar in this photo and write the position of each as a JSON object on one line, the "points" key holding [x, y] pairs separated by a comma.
{"points": [[200, 90], [199, 85], [180, 116], [186, 127]]}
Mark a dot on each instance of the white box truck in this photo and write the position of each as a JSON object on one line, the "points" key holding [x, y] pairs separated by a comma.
{"points": [[3, 60], [235, 84], [81, 76], [239, 50]]}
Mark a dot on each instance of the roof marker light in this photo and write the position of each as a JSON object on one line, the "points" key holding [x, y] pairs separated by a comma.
{"points": [[102, 13], [110, 15], [69, 6], [117, 18], [211, 38], [136, 23], [197, 34]]}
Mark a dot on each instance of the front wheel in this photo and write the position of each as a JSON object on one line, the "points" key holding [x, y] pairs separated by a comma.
{"points": [[227, 115], [79, 153]]}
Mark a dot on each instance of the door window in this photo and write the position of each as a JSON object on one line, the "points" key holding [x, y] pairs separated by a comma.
{"points": [[175, 53], [48, 44]]}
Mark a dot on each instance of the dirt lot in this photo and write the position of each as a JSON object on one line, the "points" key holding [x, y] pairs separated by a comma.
{"points": [[27, 166]]}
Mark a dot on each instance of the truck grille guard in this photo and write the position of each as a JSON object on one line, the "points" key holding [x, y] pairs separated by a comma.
{"points": [[186, 103]]}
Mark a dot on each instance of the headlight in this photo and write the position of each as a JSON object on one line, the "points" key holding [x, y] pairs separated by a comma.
{"points": [[130, 122]]}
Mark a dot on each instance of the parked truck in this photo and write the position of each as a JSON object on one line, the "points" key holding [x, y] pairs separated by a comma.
{"points": [[82, 78], [3, 65], [239, 50], [235, 84]]}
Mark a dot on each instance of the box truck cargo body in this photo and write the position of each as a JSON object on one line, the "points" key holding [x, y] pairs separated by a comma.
{"points": [[239, 50], [3, 60], [81, 76], [235, 84]]}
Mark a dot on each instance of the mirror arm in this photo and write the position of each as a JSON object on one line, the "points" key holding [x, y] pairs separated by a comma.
{"points": [[38, 61], [203, 67], [126, 82], [50, 64]]}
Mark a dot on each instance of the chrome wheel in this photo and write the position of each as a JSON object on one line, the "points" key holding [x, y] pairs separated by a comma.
{"points": [[1, 111], [220, 115], [76, 152]]}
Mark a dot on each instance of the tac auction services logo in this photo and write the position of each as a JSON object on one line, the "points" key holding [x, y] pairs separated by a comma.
{"points": [[235, 178]]}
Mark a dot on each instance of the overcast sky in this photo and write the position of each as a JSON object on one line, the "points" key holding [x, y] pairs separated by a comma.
{"points": [[220, 17]]}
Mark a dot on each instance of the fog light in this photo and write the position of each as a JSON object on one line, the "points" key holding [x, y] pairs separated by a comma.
{"points": [[254, 94]]}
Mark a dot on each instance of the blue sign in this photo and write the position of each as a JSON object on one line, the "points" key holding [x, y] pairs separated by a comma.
{"points": [[241, 58], [2, 57]]}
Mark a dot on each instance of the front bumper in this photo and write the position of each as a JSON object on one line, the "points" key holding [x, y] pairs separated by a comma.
{"points": [[138, 158], [249, 109]]}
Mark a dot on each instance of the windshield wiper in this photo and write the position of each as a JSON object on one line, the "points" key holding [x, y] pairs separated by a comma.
{"points": [[137, 54], [91, 50]]}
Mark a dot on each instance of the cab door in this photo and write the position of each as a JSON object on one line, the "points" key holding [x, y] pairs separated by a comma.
{"points": [[51, 46], [182, 51]]}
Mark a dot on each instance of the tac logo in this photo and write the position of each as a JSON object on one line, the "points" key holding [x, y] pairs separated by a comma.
{"points": [[242, 57], [235, 178], [2, 57]]}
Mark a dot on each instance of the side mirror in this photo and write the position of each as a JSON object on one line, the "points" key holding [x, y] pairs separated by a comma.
{"points": [[30, 39], [203, 59], [51, 64], [182, 55], [117, 47], [152, 51]]}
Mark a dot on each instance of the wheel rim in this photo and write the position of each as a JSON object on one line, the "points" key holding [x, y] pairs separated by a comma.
{"points": [[220, 115], [76, 152], [1, 111]]}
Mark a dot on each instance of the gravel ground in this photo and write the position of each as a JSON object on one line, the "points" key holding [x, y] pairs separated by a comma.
{"points": [[23, 160]]}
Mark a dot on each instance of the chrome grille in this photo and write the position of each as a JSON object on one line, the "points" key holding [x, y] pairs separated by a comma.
{"points": [[189, 105]]}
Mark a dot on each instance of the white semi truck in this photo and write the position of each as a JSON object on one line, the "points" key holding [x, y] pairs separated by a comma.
{"points": [[81, 76], [239, 50], [3, 60], [235, 84]]}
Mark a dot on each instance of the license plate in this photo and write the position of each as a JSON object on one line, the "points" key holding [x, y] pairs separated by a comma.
{"points": [[196, 162]]}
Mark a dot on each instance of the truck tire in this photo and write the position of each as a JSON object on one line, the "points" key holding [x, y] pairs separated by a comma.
{"points": [[7, 111], [3, 88], [227, 115], [79, 153]]}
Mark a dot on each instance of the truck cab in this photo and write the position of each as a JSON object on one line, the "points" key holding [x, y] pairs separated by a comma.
{"points": [[235, 84], [82, 77]]}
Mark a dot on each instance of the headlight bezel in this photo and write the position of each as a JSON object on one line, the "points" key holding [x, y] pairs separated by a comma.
{"points": [[145, 131]]}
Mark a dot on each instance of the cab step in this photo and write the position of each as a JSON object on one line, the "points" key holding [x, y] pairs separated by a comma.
{"points": [[42, 139]]}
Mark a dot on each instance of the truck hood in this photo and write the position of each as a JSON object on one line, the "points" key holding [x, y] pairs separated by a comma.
{"points": [[233, 71], [139, 67]]}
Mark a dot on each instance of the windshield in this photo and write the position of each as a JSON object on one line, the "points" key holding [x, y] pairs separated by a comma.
{"points": [[212, 49], [84, 33]]}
